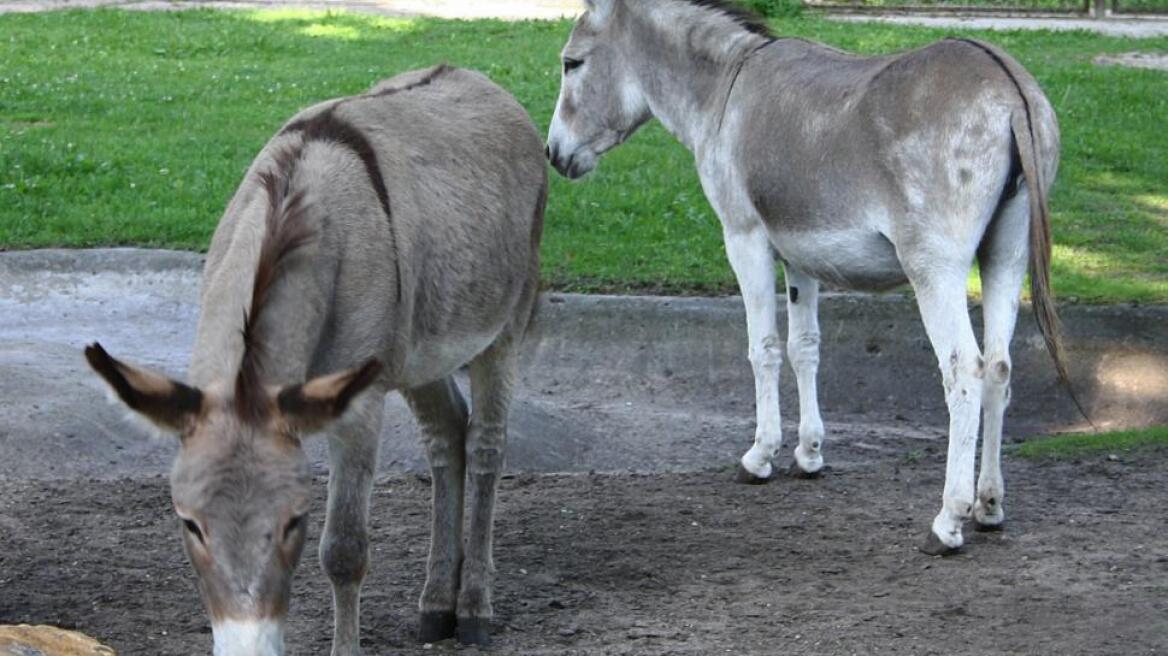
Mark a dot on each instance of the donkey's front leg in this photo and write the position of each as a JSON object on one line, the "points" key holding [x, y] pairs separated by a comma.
{"points": [[442, 414], [749, 252], [803, 353], [492, 377], [344, 545]]}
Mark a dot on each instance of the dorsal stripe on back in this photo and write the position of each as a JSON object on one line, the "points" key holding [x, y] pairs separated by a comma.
{"points": [[326, 126]]}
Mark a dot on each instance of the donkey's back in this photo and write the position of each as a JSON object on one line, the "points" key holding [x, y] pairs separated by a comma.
{"points": [[879, 153], [427, 197]]}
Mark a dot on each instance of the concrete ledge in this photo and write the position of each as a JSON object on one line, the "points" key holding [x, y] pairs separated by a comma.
{"points": [[609, 383], [875, 356]]}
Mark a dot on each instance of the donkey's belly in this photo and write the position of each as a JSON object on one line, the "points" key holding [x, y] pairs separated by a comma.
{"points": [[433, 359], [854, 259]]}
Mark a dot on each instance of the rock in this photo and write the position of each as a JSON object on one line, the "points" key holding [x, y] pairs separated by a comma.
{"points": [[26, 640]]}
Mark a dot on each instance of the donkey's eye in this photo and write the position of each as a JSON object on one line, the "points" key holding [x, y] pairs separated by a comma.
{"points": [[193, 529], [572, 64], [294, 525]]}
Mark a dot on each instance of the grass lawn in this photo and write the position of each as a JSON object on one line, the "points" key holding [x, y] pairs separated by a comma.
{"points": [[1073, 445], [133, 128]]}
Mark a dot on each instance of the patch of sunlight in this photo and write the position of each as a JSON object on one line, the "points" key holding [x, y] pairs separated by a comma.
{"points": [[1082, 259], [1111, 181], [1156, 205], [285, 14], [1153, 201], [344, 32], [1141, 376], [973, 285], [357, 21]]}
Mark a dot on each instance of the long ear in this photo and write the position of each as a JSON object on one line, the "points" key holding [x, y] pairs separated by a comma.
{"points": [[598, 10], [310, 406], [166, 403]]}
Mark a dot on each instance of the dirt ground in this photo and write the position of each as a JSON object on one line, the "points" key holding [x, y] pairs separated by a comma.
{"points": [[662, 564]]}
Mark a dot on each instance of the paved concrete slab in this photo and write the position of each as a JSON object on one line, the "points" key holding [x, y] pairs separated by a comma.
{"points": [[461, 9], [1139, 28], [609, 383], [1147, 60]]}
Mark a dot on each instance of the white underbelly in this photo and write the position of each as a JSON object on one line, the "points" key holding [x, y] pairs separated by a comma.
{"points": [[860, 258]]}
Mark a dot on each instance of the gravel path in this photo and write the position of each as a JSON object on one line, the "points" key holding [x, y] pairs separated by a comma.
{"points": [[553, 9], [1126, 27], [649, 565], [507, 9]]}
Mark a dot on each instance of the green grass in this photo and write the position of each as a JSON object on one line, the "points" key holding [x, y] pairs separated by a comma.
{"points": [[1156, 6], [133, 128], [1074, 445]]}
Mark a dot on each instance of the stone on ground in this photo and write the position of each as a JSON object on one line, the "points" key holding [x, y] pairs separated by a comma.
{"points": [[26, 640]]}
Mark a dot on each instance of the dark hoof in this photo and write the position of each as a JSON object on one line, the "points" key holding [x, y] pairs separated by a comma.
{"points": [[934, 547], [436, 626], [474, 631], [795, 471], [989, 528], [746, 478]]}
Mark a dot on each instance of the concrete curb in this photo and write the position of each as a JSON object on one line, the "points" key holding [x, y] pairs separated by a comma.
{"points": [[450, 9], [1135, 27], [644, 383]]}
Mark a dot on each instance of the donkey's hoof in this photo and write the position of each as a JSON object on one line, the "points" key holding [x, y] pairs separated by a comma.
{"points": [[436, 625], [933, 546], [989, 528], [746, 477], [795, 471], [474, 631]]}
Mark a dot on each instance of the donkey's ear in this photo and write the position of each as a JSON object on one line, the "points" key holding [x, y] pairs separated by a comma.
{"points": [[311, 406], [598, 10], [166, 403]]}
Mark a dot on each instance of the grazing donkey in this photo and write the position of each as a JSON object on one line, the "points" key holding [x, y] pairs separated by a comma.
{"points": [[401, 224], [864, 172]]}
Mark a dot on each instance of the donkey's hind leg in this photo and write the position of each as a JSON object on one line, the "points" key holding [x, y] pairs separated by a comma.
{"points": [[492, 379], [1003, 260], [442, 415], [941, 296], [803, 354], [344, 544]]}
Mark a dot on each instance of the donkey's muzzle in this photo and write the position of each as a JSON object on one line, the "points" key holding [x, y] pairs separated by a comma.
{"points": [[566, 166]]}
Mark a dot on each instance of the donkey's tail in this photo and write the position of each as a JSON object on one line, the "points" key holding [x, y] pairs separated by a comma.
{"points": [[537, 220], [1030, 135]]}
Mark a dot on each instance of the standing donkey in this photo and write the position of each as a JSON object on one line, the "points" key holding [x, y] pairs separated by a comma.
{"points": [[865, 172], [403, 226]]}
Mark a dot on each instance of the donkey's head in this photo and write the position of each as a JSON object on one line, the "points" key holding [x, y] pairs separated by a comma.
{"points": [[240, 486], [601, 103]]}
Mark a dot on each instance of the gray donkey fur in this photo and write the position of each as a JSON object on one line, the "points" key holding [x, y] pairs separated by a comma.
{"points": [[400, 227], [865, 172]]}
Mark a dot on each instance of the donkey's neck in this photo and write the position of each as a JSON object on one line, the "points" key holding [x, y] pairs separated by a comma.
{"points": [[687, 57], [292, 319]]}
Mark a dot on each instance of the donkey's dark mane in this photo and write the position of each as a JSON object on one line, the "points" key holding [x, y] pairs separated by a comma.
{"points": [[285, 232], [746, 18]]}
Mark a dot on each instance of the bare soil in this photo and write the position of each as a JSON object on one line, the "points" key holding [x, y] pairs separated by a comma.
{"points": [[662, 563]]}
